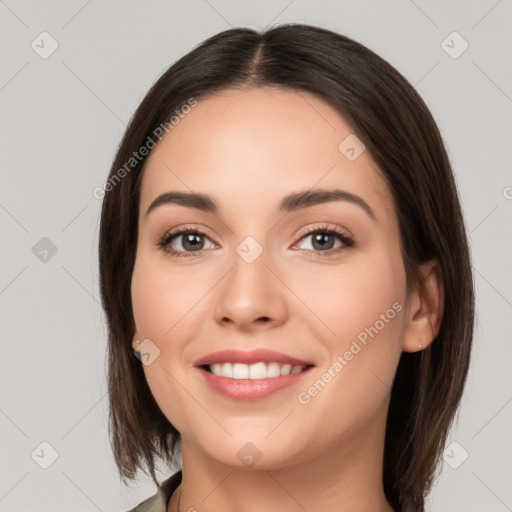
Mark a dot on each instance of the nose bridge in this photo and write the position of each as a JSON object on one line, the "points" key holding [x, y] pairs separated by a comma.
{"points": [[250, 291]]}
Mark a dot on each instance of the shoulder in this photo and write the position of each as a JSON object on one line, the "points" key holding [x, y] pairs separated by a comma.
{"points": [[158, 502], [155, 503]]}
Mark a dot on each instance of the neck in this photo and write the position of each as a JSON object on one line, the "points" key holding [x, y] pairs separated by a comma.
{"points": [[345, 478]]}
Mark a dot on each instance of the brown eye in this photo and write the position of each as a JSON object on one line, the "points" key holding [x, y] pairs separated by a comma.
{"points": [[322, 241], [326, 240], [185, 241], [190, 241]]}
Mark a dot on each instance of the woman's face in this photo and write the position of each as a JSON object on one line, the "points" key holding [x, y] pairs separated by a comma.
{"points": [[320, 281]]}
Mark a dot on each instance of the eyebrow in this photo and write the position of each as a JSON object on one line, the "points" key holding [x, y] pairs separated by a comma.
{"points": [[289, 203]]}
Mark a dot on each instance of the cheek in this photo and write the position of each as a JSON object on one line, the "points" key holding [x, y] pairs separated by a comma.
{"points": [[361, 305], [162, 297], [345, 299], [150, 300], [162, 305]]}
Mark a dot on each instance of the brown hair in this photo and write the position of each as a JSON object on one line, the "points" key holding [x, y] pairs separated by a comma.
{"points": [[394, 123]]}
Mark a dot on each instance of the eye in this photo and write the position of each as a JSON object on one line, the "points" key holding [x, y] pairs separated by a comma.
{"points": [[320, 241], [184, 242], [325, 241]]}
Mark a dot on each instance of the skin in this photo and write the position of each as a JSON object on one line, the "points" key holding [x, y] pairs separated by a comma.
{"points": [[247, 150]]}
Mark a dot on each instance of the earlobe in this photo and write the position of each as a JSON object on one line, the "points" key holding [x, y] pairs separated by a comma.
{"points": [[135, 341], [424, 309]]}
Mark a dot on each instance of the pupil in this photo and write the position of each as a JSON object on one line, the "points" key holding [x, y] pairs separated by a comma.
{"points": [[322, 240], [192, 240]]}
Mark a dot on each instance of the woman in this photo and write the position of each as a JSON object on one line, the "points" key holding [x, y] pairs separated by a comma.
{"points": [[286, 278]]}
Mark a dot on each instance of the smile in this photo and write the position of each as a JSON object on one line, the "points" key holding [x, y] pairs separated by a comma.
{"points": [[260, 370], [252, 382]]}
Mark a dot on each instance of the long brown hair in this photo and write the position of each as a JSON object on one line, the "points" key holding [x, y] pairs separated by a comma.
{"points": [[395, 125]]}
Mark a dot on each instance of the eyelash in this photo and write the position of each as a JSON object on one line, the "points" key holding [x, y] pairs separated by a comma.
{"points": [[347, 241]]}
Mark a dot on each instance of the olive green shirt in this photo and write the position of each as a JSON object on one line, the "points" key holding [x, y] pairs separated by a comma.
{"points": [[159, 502]]}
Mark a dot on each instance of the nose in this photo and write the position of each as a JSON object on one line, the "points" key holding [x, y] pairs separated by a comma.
{"points": [[251, 297]]}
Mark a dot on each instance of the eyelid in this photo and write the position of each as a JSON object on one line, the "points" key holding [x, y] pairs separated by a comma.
{"points": [[186, 228], [324, 226]]}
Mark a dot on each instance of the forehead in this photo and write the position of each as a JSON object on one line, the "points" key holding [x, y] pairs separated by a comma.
{"points": [[252, 147]]}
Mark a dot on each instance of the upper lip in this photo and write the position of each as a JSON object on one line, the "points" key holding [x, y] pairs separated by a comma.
{"points": [[250, 357]]}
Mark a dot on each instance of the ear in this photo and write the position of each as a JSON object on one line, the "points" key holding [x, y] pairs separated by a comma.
{"points": [[135, 341], [424, 309]]}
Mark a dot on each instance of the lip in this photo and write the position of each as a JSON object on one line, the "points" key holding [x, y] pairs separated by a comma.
{"points": [[250, 389], [251, 357]]}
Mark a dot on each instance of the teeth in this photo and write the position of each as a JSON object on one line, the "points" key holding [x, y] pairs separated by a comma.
{"points": [[273, 370], [296, 369], [240, 371], [254, 371]]}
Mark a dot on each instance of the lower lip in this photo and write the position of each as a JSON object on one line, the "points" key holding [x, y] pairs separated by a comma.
{"points": [[250, 389]]}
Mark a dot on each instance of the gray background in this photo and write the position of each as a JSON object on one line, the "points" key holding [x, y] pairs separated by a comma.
{"points": [[62, 119]]}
